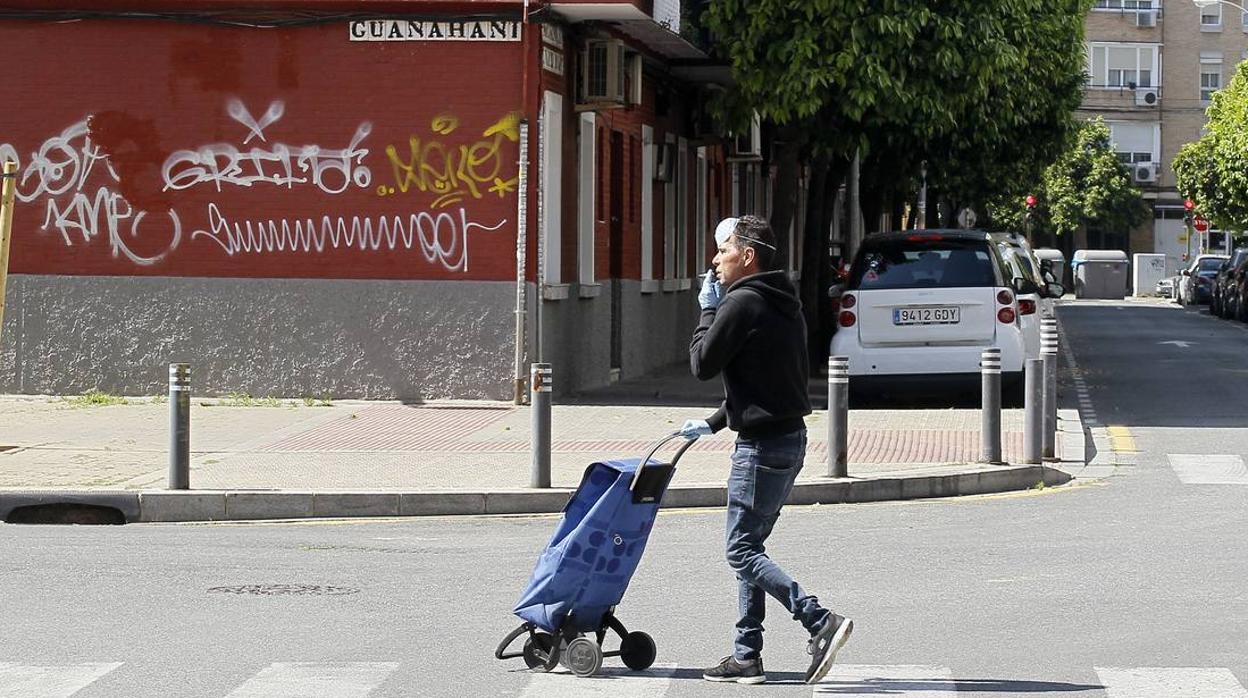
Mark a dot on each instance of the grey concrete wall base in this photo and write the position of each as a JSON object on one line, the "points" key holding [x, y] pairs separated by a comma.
{"points": [[179, 506]]}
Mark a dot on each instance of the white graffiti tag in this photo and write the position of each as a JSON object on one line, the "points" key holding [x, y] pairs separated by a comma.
{"points": [[332, 171], [442, 236], [58, 173]]}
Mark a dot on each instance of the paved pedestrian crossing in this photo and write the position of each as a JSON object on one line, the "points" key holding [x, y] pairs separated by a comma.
{"points": [[363, 679]]}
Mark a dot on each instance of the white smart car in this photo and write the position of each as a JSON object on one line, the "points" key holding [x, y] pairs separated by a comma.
{"points": [[920, 307]]}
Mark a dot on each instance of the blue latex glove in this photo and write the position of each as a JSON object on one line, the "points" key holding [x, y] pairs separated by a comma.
{"points": [[693, 428], [711, 293]]}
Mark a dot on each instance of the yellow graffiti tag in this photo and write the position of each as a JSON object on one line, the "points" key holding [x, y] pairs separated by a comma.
{"points": [[455, 171]]}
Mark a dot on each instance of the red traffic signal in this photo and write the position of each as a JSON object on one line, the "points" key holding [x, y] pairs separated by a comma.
{"points": [[1188, 204], [1031, 201]]}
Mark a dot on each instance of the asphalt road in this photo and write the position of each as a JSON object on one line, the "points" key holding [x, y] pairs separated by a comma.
{"points": [[1128, 587]]}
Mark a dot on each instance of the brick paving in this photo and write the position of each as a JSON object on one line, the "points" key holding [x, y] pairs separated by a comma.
{"points": [[362, 445]]}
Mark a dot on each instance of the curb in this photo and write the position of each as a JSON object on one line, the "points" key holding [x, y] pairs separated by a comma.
{"points": [[166, 506]]}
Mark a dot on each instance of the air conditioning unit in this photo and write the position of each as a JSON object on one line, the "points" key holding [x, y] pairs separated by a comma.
{"points": [[1144, 172], [1146, 96], [604, 79], [747, 145], [1146, 18]]}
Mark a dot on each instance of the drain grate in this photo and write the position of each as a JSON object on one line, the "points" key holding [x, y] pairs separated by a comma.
{"points": [[284, 590]]}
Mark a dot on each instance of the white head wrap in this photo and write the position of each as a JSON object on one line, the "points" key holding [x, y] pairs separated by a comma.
{"points": [[725, 229]]}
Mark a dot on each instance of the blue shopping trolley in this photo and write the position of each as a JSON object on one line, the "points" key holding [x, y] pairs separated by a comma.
{"points": [[584, 570]]}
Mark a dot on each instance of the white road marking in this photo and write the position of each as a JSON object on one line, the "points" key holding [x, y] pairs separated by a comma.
{"points": [[1209, 469], [609, 681], [315, 680], [31, 681], [914, 681], [1176, 682]]}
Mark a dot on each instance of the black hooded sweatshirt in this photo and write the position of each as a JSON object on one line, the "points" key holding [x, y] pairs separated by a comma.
{"points": [[757, 340]]}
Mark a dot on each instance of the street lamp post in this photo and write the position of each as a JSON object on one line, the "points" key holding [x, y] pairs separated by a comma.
{"points": [[1210, 3]]}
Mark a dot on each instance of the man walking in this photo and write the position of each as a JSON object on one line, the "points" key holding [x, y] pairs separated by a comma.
{"points": [[752, 333]]}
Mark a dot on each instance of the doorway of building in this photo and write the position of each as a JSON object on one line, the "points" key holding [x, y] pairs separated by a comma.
{"points": [[616, 233]]}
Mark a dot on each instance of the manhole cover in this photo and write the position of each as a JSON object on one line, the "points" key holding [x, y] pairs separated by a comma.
{"points": [[284, 590]]}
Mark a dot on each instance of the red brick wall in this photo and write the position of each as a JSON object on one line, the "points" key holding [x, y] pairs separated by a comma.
{"points": [[141, 144]]}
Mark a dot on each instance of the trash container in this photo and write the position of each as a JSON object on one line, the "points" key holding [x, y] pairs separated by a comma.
{"points": [[1055, 260], [1100, 274]]}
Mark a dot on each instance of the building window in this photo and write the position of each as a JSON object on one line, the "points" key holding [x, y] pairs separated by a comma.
{"points": [[1210, 81], [1134, 142], [1211, 17], [1123, 5], [1122, 65]]}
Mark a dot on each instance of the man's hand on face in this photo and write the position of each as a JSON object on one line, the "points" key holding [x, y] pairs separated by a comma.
{"points": [[711, 293]]}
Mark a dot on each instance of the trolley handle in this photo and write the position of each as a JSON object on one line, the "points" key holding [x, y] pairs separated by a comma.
{"points": [[655, 449]]}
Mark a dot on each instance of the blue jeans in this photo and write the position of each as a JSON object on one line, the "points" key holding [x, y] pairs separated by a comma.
{"points": [[763, 472]]}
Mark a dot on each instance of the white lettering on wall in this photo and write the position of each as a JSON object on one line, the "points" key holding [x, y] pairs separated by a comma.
{"points": [[442, 236], [332, 171], [57, 173]]}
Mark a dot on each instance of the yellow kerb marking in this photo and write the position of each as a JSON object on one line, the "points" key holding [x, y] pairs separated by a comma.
{"points": [[1121, 440]]}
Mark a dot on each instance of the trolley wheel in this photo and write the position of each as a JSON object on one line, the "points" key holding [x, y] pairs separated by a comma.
{"points": [[537, 651], [583, 656], [637, 650]]}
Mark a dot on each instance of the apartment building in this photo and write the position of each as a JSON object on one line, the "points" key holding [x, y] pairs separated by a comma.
{"points": [[1152, 68]]}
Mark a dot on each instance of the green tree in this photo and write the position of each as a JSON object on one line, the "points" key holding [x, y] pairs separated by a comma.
{"points": [[980, 89], [1213, 171], [1088, 188]]}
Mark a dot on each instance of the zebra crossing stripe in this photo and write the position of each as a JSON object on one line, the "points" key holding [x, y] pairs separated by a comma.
{"points": [[874, 680], [315, 680], [609, 681], [1209, 469], [39, 681], [1176, 682]]}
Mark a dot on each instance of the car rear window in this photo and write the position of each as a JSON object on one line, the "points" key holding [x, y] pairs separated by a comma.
{"points": [[1211, 264], [927, 263]]}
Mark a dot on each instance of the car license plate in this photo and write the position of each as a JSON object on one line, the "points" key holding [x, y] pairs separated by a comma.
{"points": [[927, 316]]}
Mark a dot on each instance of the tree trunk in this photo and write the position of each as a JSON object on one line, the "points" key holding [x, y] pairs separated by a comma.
{"points": [[819, 332], [814, 252], [789, 146]]}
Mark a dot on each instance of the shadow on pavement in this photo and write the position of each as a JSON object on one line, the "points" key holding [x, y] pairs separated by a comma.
{"points": [[884, 686], [675, 386]]}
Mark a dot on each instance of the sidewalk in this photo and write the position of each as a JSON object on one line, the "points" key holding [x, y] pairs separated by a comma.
{"points": [[290, 460]]}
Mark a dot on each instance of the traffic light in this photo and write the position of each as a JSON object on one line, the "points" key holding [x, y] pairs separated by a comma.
{"points": [[1189, 207]]}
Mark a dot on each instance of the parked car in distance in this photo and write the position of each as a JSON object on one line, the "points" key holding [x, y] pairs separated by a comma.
{"points": [[1224, 301], [1032, 269], [920, 307], [1196, 281]]}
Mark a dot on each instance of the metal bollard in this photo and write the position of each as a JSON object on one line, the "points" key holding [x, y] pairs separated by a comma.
{"points": [[838, 416], [179, 426], [1048, 354], [990, 406], [1033, 415], [540, 384]]}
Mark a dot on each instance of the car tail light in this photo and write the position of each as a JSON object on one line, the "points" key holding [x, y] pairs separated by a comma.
{"points": [[1004, 297], [924, 238], [1006, 316], [848, 319], [848, 301], [1026, 307]]}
